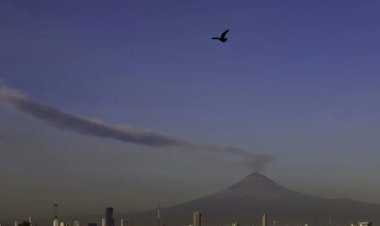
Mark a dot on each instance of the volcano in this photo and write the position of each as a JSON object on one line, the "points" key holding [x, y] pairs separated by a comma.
{"points": [[246, 201]]}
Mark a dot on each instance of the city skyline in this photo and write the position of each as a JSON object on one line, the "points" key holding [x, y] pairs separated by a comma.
{"points": [[241, 203], [296, 86]]}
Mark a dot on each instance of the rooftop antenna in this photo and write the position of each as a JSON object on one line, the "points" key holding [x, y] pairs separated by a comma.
{"points": [[158, 213]]}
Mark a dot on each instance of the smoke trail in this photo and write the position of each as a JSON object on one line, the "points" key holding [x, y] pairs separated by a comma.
{"points": [[21, 103]]}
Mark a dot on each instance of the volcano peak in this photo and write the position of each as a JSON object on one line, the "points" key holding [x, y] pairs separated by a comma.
{"points": [[255, 185], [255, 194]]}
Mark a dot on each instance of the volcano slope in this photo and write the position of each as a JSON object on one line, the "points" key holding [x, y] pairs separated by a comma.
{"points": [[246, 201]]}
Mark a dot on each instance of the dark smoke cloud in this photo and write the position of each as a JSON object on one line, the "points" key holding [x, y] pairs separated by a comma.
{"points": [[21, 103]]}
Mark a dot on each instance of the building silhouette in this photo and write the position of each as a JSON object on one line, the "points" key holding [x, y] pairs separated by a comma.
{"points": [[197, 218], [364, 223], [265, 220], [109, 217], [55, 215], [23, 223]]}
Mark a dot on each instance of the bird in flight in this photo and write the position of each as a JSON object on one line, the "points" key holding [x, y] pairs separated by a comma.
{"points": [[222, 37]]}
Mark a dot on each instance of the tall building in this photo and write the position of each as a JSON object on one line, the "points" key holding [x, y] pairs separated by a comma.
{"points": [[265, 220], [122, 222], [235, 224], [109, 217], [55, 215], [197, 218], [62, 223], [55, 211], [103, 221], [16, 223], [76, 223], [30, 221], [364, 224]]}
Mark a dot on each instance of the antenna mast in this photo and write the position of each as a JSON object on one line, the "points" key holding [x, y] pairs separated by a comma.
{"points": [[158, 213]]}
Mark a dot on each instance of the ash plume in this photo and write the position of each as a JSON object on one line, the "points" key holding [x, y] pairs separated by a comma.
{"points": [[62, 120]]}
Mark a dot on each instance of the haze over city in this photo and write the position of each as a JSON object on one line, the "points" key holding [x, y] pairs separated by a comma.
{"points": [[125, 103]]}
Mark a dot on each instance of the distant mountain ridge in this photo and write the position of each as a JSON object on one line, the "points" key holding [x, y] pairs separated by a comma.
{"points": [[246, 201]]}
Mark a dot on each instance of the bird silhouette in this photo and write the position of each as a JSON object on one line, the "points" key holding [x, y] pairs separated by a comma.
{"points": [[222, 37]]}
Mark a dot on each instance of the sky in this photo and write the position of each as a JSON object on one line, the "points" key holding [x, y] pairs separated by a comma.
{"points": [[297, 81]]}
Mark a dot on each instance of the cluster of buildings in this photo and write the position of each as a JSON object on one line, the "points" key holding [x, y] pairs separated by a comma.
{"points": [[362, 224], [56, 221], [109, 220], [23, 223]]}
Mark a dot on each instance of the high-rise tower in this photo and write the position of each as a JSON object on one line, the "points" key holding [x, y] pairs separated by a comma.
{"points": [[55, 215], [109, 217], [197, 218], [55, 211], [265, 220]]}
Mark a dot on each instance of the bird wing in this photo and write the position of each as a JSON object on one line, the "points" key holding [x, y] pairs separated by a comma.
{"points": [[215, 38], [224, 33]]}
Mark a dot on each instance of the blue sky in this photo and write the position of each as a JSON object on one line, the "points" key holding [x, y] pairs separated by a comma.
{"points": [[298, 80]]}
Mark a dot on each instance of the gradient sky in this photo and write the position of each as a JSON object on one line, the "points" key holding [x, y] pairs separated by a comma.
{"points": [[297, 79]]}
